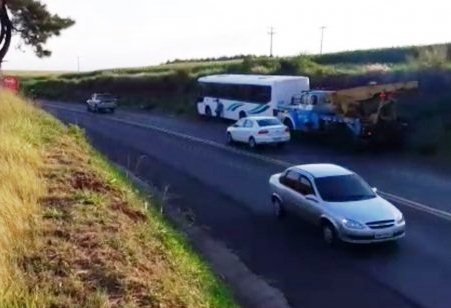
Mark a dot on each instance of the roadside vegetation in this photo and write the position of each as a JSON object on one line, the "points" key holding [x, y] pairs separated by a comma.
{"points": [[75, 233], [171, 87]]}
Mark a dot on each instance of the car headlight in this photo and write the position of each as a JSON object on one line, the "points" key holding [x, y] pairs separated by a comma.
{"points": [[400, 219], [352, 224]]}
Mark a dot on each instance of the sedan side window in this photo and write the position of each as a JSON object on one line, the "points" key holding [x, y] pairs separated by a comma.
{"points": [[305, 186], [290, 179], [248, 124]]}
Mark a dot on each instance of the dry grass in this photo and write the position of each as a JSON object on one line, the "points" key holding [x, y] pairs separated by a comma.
{"points": [[20, 189], [76, 234]]}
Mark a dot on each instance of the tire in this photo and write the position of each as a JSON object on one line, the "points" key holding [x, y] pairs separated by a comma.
{"points": [[242, 114], [230, 140], [279, 211], [208, 111], [329, 234], [289, 124], [252, 143]]}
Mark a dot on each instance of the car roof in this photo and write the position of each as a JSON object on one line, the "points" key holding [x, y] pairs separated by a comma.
{"points": [[323, 170], [260, 118]]}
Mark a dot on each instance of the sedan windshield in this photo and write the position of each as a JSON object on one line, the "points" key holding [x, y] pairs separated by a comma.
{"points": [[268, 122], [344, 188]]}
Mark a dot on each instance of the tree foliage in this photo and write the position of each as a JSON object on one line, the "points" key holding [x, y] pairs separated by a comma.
{"points": [[31, 20]]}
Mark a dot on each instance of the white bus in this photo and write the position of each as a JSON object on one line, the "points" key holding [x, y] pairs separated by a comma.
{"points": [[238, 96]]}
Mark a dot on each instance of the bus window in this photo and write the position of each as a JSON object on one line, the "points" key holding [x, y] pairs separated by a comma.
{"points": [[244, 93], [260, 94]]}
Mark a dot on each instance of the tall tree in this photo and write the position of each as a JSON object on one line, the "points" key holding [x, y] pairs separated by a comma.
{"points": [[31, 20]]}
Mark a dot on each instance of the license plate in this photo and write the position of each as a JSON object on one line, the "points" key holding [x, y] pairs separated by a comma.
{"points": [[384, 235], [277, 139]]}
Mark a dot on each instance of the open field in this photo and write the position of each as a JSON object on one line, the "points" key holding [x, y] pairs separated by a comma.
{"points": [[172, 87], [75, 233]]}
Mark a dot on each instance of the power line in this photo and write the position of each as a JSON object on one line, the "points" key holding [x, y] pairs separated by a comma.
{"points": [[271, 34], [322, 39]]}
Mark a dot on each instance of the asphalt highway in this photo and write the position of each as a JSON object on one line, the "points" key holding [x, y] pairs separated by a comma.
{"points": [[225, 190]]}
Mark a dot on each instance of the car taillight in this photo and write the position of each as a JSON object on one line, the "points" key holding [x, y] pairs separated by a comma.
{"points": [[263, 132]]}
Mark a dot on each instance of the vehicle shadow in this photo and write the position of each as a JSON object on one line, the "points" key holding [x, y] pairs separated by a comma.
{"points": [[311, 235]]}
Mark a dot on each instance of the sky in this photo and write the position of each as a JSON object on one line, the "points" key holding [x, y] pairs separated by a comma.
{"points": [[113, 33]]}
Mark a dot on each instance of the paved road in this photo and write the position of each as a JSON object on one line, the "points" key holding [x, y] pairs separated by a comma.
{"points": [[227, 192]]}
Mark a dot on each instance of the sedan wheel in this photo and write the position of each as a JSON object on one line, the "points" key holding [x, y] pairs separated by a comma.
{"points": [[252, 143], [208, 112], [230, 139], [329, 235], [278, 208]]}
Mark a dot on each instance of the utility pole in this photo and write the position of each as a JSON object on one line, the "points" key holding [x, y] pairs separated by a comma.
{"points": [[78, 64], [322, 39], [271, 34]]}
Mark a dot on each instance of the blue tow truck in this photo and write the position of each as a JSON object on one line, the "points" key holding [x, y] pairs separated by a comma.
{"points": [[367, 112]]}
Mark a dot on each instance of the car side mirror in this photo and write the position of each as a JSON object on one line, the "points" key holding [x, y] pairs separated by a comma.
{"points": [[312, 198], [375, 189]]}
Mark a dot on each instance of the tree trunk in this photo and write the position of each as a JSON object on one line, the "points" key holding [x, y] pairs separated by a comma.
{"points": [[5, 30]]}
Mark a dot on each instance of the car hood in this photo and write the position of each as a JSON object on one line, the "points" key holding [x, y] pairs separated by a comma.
{"points": [[364, 211]]}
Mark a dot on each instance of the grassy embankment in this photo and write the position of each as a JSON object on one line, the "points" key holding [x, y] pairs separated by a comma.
{"points": [[75, 233], [172, 86]]}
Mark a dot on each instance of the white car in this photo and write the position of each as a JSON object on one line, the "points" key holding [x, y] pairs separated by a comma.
{"points": [[257, 131], [338, 201], [101, 102]]}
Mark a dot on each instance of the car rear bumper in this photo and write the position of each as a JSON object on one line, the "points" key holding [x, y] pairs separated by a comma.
{"points": [[106, 106], [272, 139], [373, 236]]}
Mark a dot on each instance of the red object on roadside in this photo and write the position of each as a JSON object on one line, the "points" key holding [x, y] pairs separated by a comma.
{"points": [[10, 83]]}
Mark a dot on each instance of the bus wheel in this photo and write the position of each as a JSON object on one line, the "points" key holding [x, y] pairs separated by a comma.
{"points": [[242, 114], [208, 111]]}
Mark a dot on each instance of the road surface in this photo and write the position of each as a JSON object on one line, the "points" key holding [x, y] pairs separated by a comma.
{"points": [[227, 192]]}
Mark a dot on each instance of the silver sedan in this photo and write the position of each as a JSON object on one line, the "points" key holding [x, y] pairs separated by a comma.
{"points": [[337, 200]]}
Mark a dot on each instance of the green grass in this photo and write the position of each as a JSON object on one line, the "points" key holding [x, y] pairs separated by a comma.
{"points": [[77, 233]]}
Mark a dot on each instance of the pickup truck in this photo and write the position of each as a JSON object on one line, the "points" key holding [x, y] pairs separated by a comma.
{"points": [[101, 102]]}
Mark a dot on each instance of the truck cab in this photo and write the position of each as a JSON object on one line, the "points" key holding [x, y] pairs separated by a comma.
{"points": [[318, 100]]}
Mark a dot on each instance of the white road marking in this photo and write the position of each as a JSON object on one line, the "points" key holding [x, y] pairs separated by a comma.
{"points": [[416, 205], [394, 198]]}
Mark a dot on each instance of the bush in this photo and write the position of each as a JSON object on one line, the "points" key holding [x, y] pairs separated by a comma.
{"points": [[435, 57]]}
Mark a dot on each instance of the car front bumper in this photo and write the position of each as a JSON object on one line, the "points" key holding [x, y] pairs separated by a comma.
{"points": [[272, 139], [369, 236]]}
